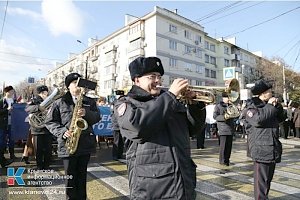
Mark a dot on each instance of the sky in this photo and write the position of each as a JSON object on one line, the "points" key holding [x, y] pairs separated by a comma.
{"points": [[37, 34]]}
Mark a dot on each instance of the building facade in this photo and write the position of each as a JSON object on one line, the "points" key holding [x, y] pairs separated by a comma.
{"points": [[184, 47]]}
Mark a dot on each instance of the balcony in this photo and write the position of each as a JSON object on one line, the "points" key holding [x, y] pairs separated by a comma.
{"points": [[136, 52], [235, 57], [136, 35]]}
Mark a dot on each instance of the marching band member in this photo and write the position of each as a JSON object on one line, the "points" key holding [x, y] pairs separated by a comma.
{"points": [[262, 117], [58, 122], [225, 129], [158, 126], [41, 136]]}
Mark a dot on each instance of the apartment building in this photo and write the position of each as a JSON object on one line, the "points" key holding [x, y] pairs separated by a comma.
{"points": [[184, 47]]}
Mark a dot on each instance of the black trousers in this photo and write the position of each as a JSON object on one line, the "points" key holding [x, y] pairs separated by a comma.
{"points": [[77, 167], [118, 145], [43, 150], [200, 139], [263, 175], [225, 148], [286, 128]]}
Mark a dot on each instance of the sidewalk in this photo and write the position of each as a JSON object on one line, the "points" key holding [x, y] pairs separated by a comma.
{"points": [[291, 141]]}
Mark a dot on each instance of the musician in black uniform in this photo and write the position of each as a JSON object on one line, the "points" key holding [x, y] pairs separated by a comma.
{"points": [[226, 127], [158, 127], [41, 136], [263, 115], [58, 122], [118, 143]]}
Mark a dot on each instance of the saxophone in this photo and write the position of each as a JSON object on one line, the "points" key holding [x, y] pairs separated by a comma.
{"points": [[78, 124]]}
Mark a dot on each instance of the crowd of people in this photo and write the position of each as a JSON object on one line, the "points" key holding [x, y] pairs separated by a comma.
{"points": [[154, 127]]}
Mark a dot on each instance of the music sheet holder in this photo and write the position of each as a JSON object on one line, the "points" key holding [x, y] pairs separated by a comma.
{"points": [[86, 84]]}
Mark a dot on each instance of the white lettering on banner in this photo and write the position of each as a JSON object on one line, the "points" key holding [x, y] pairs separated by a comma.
{"points": [[106, 118], [101, 126]]}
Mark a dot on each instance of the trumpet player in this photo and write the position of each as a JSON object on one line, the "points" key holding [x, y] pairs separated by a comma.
{"points": [[225, 126], [158, 127], [42, 138], [59, 120], [263, 114]]}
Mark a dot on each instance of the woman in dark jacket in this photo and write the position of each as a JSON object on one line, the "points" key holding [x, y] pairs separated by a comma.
{"points": [[58, 123]]}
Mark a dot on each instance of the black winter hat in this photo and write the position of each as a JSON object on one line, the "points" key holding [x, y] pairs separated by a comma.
{"points": [[7, 89], [224, 94], [70, 78], [260, 86], [142, 65], [41, 89]]}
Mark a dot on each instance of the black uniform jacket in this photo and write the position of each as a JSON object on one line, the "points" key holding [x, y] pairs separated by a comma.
{"points": [[158, 158], [33, 107], [3, 114], [261, 123], [59, 119], [225, 127]]}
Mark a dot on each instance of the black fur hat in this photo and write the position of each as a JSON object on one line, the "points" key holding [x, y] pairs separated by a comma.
{"points": [[41, 89], [260, 86], [142, 65], [224, 94], [70, 78], [7, 89]]}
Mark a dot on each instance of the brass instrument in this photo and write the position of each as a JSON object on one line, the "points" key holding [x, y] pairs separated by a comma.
{"points": [[37, 120], [206, 94], [78, 124]]}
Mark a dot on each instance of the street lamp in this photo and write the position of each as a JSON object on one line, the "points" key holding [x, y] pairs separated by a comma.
{"points": [[86, 62]]}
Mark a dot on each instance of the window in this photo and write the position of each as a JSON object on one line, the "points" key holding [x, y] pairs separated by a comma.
{"points": [[199, 69], [226, 50], [213, 47], [173, 62], [207, 73], [173, 28], [226, 63], [213, 74], [206, 58], [107, 84], [188, 67], [187, 34], [206, 45], [198, 83], [173, 45], [213, 60], [198, 39], [188, 49], [199, 53]]}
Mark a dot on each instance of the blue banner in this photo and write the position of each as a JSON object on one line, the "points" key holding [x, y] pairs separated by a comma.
{"points": [[19, 128], [104, 127]]}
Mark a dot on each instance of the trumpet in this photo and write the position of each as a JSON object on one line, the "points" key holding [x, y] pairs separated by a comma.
{"points": [[206, 94]]}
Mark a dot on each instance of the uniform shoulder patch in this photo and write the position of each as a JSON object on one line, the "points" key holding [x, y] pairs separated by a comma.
{"points": [[121, 109], [251, 112]]}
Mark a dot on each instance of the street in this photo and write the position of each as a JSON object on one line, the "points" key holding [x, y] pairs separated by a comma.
{"points": [[107, 179]]}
